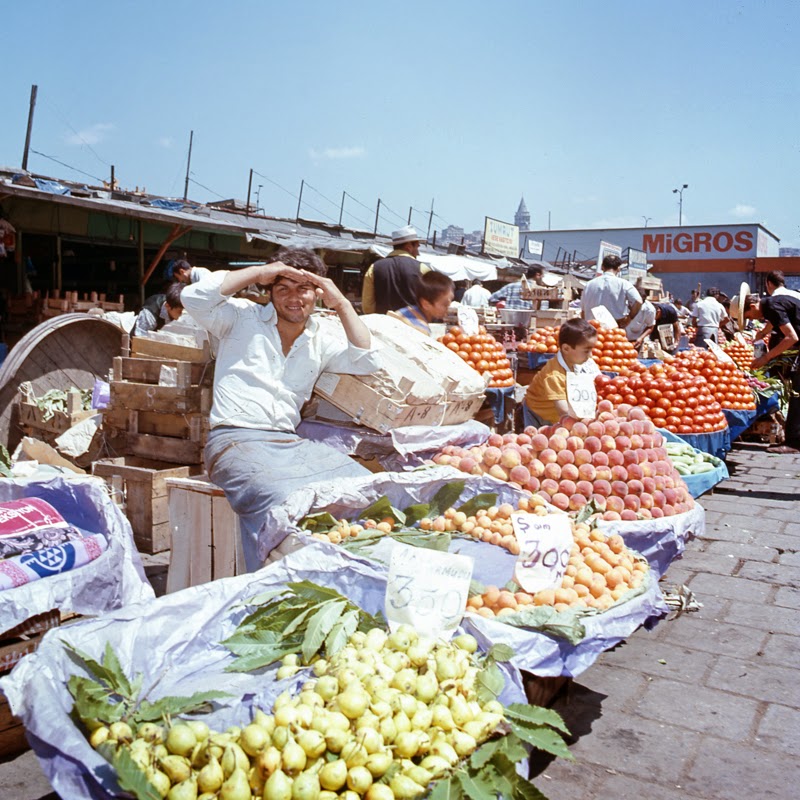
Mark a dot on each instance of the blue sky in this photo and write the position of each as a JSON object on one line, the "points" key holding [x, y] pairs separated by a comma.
{"points": [[595, 111]]}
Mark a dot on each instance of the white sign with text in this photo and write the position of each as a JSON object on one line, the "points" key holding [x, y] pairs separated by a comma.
{"points": [[468, 320], [545, 544]]}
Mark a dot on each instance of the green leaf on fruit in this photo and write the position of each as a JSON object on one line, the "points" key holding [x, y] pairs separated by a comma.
{"points": [[172, 706], [316, 523], [341, 632], [446, 789], [132, 778], [536, 715], [542, 738], [446, 497], [381, 509], [489, 683], [319, 626], [478, 503], [417, 512], [501, 652], [477, 785]]}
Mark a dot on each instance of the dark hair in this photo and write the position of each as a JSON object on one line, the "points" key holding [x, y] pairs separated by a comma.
{"points": [[300, 258], [750, 301], [611, 262], [776, 278], [181, 264], [476, 282], [712, 292], [532, 272], [172, 296], [576, 331], [432, 285]]}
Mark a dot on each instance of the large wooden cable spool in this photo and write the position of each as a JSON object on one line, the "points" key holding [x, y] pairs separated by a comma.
{"points": [[71, 350]]}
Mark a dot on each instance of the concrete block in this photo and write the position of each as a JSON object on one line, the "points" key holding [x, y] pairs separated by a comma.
{"points": [[746, 552], [781, 648], [767, 618], [767, 682], [780, 729], [786, 597], [771, 573], [680, 663], [737, 588]]}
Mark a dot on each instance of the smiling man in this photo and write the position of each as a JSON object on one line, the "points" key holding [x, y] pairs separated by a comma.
{"points": [[268, 360]]}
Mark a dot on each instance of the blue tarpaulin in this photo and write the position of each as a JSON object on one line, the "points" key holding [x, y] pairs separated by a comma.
{"points": [[700, 484], [739, 421], [648, 362], [768, 405], [717, 443], [170, 205], [54, 187], [536, 360]]}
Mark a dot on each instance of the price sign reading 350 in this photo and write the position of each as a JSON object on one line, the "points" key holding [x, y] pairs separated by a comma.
{"points": [[544, 550], [427, 589]]}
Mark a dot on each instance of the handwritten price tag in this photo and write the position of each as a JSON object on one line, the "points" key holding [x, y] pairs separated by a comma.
{"points": [[544, 550], [468, 320], [719, 352], [581, 394], [604, 317], [427, 589]]}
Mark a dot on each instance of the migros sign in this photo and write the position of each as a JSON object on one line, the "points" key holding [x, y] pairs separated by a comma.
{"points": [[700, 243]]}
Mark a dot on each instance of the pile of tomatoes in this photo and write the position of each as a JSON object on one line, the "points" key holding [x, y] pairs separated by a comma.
{"points": [[727, 382], [672, 398], [483, 353], [613, 352], [742, 354], [542, 340]]}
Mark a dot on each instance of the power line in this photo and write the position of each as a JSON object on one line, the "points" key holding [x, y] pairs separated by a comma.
{"points": [[77, 133], [202, 186], [68, 166], [336, 205]]}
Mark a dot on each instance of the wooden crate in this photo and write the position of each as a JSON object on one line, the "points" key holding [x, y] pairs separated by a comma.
{"points": [[206, 542], [31, 417], [139, 486], [143, 347]]}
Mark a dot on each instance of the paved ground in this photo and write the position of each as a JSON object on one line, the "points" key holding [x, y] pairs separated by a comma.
{"points": [[704, 707]]}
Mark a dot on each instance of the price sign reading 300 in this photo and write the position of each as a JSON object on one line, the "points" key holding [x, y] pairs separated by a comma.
{"points": [[544, 550], [427, 589]]}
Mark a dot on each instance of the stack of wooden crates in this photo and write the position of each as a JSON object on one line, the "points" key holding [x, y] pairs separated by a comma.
{"points": [[160, 399], [55, 303]]}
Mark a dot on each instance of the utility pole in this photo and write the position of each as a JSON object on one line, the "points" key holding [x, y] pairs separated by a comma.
{"points": [[249, 187], [188, 166], [410, 209], [341, 209], [299, 200], [34, 90], [430, 221], [111, 186], [377, 214]]}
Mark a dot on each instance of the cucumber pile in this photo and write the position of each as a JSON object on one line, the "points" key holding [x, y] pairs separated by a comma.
{"points": [[689, 461]]}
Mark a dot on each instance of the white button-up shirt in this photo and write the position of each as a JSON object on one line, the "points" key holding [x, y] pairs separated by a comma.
{"points": [[255, 385], [611, 291], [644, 319], [709, 312]]}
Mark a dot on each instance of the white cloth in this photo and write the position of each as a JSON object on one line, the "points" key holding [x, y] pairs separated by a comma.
{"points": [[611, 291], [198, 273], [476, 297], [789, 292], [645, 319], [683, 312], [709, 312], [255, 385]]}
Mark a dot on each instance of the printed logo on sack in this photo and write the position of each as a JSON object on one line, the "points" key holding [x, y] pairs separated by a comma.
{"points": [[50, 561], [698, 243]]}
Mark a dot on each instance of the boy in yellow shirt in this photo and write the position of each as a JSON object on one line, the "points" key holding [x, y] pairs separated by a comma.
{"points": [[546, 399]]}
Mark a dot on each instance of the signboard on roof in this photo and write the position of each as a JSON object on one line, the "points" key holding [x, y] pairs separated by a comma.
{"points": [[501, 238], [607, 249], [534, 248]]}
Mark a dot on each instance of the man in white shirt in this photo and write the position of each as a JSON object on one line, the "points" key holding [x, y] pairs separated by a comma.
{"points": [[709, 314], [269, 358], [476, 296], [642, 325], [619, 296], [776, 285], [183, 272]]}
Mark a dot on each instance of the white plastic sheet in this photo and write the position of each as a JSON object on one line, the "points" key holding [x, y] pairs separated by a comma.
{"points": [[175, 643], [111, 581]]}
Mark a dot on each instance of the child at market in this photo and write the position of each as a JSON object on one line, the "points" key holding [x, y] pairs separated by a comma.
{"points": [[546, 398], [435, 292]]}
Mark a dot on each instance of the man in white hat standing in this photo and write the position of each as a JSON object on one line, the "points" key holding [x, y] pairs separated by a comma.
{"points": [[391, 283]]}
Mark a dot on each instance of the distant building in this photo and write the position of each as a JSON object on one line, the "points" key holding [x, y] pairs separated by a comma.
{"points": [[452, 234], [789, 252], [522, 219]]}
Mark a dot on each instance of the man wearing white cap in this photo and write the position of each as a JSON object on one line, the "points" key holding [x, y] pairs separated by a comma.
{"points": [[391, 283]]}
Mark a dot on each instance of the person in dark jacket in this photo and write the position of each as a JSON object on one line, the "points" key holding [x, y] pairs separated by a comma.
{"points": [[391, 283], [158, 309]]}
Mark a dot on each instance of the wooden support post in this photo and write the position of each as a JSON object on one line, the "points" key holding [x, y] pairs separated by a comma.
{"points": [[176, 233]]}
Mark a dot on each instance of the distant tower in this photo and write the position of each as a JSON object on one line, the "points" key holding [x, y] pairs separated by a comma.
{"points": [[522, 219]]}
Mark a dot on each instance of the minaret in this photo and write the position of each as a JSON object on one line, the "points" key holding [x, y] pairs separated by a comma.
{"points": [[522, 219]]}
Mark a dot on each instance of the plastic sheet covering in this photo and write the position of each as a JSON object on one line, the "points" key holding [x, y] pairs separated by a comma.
{"points": [[551, 656], [175, 643], [717, 443], [700, 484], [768, 405], [739, 421], [661, 540], [536, 360], [111, 581], [406, 447]]}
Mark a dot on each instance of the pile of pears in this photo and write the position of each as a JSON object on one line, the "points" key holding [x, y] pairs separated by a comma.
{"points": [[382, 719]]}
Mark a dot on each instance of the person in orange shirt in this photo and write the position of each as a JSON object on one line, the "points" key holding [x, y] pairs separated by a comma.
{"points": [[546, 398]]}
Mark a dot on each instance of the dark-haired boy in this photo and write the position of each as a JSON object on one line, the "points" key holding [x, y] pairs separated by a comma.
{"points": [[546, 399], [435, 292]]}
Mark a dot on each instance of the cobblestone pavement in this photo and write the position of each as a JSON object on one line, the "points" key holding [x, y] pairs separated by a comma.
{"points": [[705, 706]]}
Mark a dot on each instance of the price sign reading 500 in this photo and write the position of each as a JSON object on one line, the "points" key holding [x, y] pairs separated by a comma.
{"points": [[429, 593], [544, 550]]}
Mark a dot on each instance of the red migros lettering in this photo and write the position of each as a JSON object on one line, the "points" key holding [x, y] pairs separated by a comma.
{"points": [[697, 242]]}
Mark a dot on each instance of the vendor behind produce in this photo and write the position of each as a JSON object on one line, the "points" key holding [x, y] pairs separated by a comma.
{"points": [[511, 293], [268, 359], [546, 399], [435, 292], [619, 296], [183, 272], [667, 314], [158, 309], [642, 325], [783, 314], [709, 314]]}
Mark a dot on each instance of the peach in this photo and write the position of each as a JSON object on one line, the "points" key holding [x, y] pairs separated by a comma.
{"points": [[645, 513], [623, 442], [632, 502], [619, 473], [519, 475], [668, 510], [623, 409], [466, 464], [660, 485], [580, 429], [548, 456], [498, 472], [605, 405], [603, 488], [574, 443], [600, 501], [567, 487], [648, 428], [612, 427], [638, 427], [495, 440], [587, 472], [552, 471], [648, 484], [611, 516], [630, 457], [559, 431], [596, 428], [615, 503], [599, 459], [635, 471], [586, 488], [603, 473], [525, 454], [565, 457], [619, 488], [558, 443], [637, 414], [636, 442], [577, 502], [510, 458], [670, 496], [647, 440], [523, 439], [536, 468], [656, 512], [569, 472], [635, 486], [567, 422], [608, 443], [592, 444], [533, 485], [646, 500], [509, 438], [491, 456], [628, 514], [560, 500], [549, 487], [583, 456], [616, 458], [647, 469], [441, 458], [539, 442], [625, 428]]}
